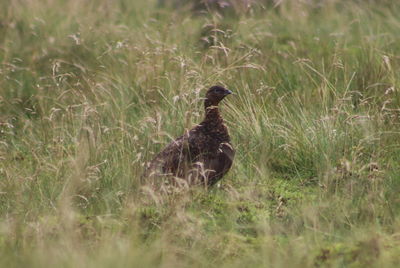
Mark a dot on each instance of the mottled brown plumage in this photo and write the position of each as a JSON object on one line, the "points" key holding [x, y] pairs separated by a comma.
{"points": [[203, 155]]}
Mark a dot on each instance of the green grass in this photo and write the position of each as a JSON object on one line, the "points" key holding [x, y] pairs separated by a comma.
{"points": [[91, 91]]}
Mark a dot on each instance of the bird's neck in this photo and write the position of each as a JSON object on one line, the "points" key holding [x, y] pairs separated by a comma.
{"points": [[213, 117], [212, 113], [211, 110], [214, 123]]}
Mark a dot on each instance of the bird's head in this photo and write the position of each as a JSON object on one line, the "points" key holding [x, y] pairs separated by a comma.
{"points": [[215, 94]]}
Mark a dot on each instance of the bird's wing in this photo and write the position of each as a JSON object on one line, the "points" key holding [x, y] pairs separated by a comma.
{"points": [[177, 154], [224, 159], [209, 168], [195, 142], [167, 161]]}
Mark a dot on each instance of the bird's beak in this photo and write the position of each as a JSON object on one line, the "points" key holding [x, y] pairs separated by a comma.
{"points": [[228, 92]]}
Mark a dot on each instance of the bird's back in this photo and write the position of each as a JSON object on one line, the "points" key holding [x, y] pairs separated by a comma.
{"points": [[202, 155]]}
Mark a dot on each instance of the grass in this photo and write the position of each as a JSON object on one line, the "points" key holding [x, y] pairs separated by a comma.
{"points": [[90, 91]]}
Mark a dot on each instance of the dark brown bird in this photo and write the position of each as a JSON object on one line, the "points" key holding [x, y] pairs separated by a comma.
{"points": [[203, 155]]}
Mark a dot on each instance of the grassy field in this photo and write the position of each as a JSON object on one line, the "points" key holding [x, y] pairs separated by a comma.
{"points": [[91, 90]]}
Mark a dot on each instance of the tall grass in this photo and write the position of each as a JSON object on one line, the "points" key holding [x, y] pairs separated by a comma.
{"points": [[91, 91]]}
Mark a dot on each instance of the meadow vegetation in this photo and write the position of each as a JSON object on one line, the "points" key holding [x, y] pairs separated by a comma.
{"points": [[91, 90]]}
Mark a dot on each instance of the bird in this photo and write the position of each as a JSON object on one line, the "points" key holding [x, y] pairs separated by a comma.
{"points": [[202, 155]]}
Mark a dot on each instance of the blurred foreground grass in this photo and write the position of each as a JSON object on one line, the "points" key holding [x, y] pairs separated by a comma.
{"points": [[90, 90]]}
